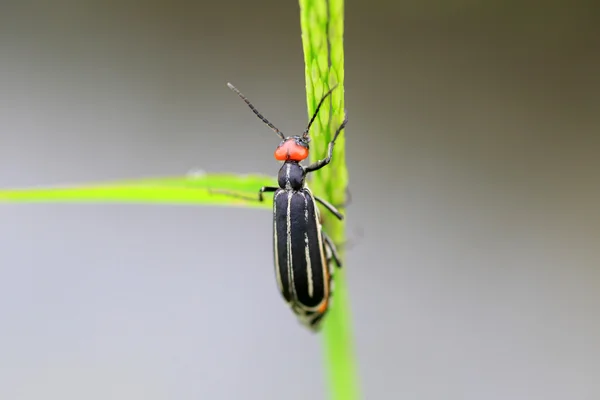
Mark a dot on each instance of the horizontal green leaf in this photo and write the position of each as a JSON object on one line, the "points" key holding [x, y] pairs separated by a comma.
{"points": [[206, 189]]}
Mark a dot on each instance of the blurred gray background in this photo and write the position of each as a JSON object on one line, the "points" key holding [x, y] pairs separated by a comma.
{"points": [[472, 146]]}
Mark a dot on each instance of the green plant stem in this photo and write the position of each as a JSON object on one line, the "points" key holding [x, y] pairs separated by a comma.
{"points": [[322, 23]]}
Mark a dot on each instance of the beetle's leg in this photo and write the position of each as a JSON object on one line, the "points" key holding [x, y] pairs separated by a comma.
{"points": [[330, 207], [321, 163], [315, 323], [334, 254], [267, 189], [244, 197], [232, 194]]}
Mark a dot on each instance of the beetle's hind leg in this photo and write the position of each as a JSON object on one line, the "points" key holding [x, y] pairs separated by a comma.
{"points": [[331, 246], [260, 198], [330, 208]]}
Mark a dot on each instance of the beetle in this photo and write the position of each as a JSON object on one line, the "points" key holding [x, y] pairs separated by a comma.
{"points": [[302, 251]]}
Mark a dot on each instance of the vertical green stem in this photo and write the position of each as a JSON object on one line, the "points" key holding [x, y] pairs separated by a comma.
{"points": [[322, 23]]}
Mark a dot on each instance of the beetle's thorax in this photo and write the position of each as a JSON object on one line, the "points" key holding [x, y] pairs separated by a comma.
{"points": [[291, 176]]}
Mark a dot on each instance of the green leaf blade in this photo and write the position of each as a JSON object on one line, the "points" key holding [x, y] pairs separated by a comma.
{"points": [[226, 190]]}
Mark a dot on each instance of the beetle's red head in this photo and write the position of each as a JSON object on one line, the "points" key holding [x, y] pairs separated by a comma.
{"points": [[294, 148]]}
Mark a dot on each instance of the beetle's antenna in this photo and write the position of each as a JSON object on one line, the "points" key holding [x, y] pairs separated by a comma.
{"points": [[342, 126], [258, 114], [305, 134]]}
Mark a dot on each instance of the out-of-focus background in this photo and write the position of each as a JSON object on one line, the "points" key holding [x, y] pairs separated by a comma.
{"points": [[473, 150]]}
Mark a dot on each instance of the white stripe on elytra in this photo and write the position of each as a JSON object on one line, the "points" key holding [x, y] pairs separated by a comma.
{"points": [[289, 243], [277, 266], [305, 210], [308, 266], [309, 271], [324, 262]]}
